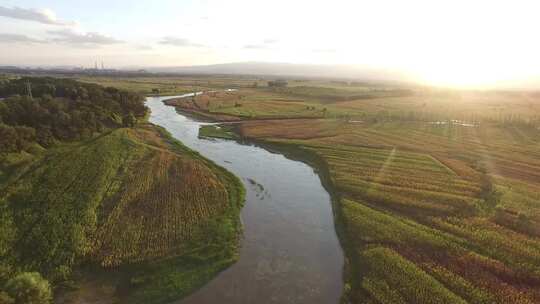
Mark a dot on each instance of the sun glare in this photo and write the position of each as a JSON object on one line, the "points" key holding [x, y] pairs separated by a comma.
{"points": [[456, 73], [454, 43]]}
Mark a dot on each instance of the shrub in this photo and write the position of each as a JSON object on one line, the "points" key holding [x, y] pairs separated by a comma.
{"points": [[29, 288], [5, 298]]}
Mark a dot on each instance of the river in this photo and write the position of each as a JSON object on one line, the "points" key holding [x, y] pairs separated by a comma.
{"points": [[290, 252]]}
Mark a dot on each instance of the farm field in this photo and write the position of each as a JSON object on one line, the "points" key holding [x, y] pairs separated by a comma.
{"points": [[436, 192], [394, 104], [173, 85], [456, 206], [158, 217]]}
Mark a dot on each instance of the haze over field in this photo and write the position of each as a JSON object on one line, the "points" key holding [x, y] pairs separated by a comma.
{"points": [[457, 43]]}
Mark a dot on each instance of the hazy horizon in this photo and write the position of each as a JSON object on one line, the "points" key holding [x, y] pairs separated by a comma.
{"points": [[454, 43]]}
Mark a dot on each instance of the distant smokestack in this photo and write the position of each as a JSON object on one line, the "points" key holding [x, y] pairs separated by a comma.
{"points": [[102, 66], [29, 90], [95, 65]]}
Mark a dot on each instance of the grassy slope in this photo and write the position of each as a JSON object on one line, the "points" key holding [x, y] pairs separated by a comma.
{"points": [[134, 199]]}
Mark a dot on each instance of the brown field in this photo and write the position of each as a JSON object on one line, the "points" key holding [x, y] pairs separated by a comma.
{"points": [[445, 198]]}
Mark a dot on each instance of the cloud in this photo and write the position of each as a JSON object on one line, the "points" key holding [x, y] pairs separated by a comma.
{"points": [[89, 39], [174, 41], [63, 36], [16, 38], [45, 16], [266, 44]]}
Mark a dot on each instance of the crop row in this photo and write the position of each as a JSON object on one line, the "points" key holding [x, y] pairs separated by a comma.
{"points": [[162, 206]]}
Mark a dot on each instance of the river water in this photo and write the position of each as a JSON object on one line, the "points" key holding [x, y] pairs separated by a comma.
{"points": [[290, 252]]}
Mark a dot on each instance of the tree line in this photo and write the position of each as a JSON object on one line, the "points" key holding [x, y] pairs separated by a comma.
{"points": [[46, 110]]}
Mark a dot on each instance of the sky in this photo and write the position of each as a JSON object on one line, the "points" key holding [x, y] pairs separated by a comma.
{"points": [[455, 43]]}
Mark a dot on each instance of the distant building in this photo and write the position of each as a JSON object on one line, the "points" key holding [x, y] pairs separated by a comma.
{"points": [[280, 83]]}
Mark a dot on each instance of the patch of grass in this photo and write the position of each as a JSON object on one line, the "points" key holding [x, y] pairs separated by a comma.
{"points": [[247, 104], [389, 278], [171, 279], [383, 228], [215, 131], [13, 165]]}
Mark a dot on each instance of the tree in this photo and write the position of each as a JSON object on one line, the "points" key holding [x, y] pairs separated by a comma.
{"points": [[44, 136], [61, 110], [129, 120], [280, 83], [5, 298], [29, 288], [25, 137], [8, 136]]}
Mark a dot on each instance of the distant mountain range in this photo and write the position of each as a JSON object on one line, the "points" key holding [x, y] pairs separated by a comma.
{"points": [[290, 70], [276, 70]]}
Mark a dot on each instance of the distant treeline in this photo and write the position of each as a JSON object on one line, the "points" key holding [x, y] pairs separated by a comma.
{"points": [[46, 110]]}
